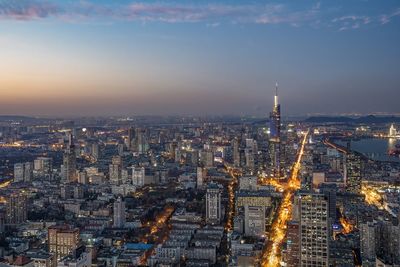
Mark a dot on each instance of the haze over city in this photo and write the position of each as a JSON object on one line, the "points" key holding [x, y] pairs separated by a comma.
{"points": [[92, 58]]}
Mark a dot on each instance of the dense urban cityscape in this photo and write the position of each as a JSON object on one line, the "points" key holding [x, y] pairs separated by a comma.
{"points": [[213, 133], [158, 191]]}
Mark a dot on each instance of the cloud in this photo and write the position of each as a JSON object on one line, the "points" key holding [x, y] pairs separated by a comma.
{"points": [[386, 18], [211, 14], [351, 22], [27, 10]]}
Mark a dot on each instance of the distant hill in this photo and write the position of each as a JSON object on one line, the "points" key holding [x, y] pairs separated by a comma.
{"points": [[365, 119], [15, 118]]}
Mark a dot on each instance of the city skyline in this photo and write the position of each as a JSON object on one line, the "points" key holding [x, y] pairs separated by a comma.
{"points": [[96, 58]]}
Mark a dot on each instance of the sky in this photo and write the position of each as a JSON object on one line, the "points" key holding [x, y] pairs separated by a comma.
{"points": [[95, 58]]}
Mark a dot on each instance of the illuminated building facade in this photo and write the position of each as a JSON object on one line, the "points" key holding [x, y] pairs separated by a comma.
{"points": [[253, 205], [62, 240], [16, 208], [314, 229], [353, 173], [213, 204], [293, 244]]}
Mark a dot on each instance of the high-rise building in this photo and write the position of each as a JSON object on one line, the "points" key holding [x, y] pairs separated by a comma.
{"points": [[250, 161], [62, 240], [95, 151], [28, 171], [213, 204], [16, 208], [368, 240], [207, 158], [275, 138], [236, 152], [130, 142], [200, 177], [43, 165], [138, 174], [314, 229], [142, 145], [353, 172], [293, 244], [69, 161], [18, 172], [23, 172], [115, 169], [330, 191], [119, 213]]}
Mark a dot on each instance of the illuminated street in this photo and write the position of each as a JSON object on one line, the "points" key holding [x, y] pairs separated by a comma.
{"points": [[271, 256], [158, 231], [231, 192], [372, 196]]}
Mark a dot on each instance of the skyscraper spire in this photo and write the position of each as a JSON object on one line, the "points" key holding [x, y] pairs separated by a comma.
{"points": [[276, 95]]}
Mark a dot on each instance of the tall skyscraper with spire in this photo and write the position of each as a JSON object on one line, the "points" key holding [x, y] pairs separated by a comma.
{"points": [[275, 137]]}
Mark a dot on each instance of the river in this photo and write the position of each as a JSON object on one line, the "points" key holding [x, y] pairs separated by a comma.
{"points": [[375, 148]]}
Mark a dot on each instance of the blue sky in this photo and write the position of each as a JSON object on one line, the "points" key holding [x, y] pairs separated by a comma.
{"points": [[198, 57]]}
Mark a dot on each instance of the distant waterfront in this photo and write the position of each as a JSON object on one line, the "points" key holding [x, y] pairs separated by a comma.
{"points": [[375, 148]]}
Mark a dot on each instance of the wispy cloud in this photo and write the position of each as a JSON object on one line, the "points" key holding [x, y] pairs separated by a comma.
{"points": [[386, 18], [351, 22], [211, 14]]}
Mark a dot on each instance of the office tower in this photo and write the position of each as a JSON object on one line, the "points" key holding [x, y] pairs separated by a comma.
{"points": [[120, 149], [69, 161], [23, 172], [19, 172], [16, 208], [249, 156], [43, 165], [314, 229], [142, 145], [114, 173], [293, 244], [62, 240], [353, 173], [138, 174], [207, 158], [119, 213], [368, 240], [275, 138], [28, 171], [253, 205], [248, 183], [130, 142], [330, 191], [95, 151], [200, 177], [115, 169], [388, 243], [236, 152], [213, 204]]}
